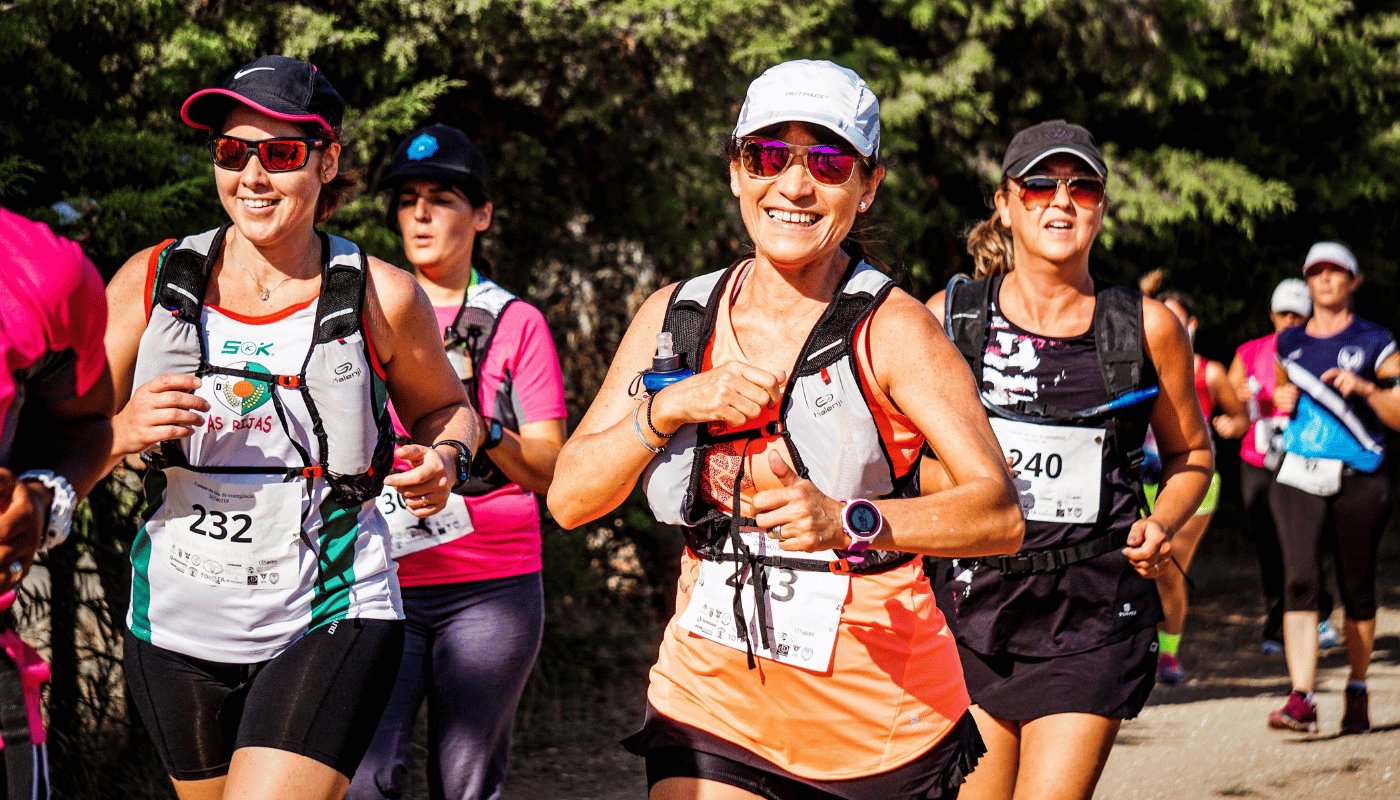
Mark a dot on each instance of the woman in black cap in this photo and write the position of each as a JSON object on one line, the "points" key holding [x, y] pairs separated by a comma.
{"points": [[1058, 642], [474, 603], [265, 628]]}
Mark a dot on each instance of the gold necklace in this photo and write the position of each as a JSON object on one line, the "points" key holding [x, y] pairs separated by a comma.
{"points": [[263, 292]]}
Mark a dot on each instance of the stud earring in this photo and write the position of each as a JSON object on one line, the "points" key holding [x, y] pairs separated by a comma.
{"points": [[862, 205]]}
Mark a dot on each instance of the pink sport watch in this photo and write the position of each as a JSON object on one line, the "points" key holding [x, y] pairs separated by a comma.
{"points": [[861, 521]]}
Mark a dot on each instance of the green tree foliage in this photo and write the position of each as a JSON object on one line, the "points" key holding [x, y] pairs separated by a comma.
{"points": [[1238, 132]]}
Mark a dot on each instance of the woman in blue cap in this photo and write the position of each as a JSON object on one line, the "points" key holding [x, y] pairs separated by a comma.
{"points": [[806, 658], [472, 593], [1337, 380], [1058, 642], [264, 630]]}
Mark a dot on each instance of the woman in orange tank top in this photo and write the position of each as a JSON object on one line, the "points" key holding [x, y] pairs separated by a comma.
{"points": [[807, 658]]}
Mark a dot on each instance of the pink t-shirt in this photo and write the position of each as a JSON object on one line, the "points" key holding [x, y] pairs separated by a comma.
{"points": [[1257, 355], [506, 536], [53, 313]]}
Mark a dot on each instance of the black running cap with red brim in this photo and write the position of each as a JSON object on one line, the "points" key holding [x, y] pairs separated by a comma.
{"points": [[278, 86]]}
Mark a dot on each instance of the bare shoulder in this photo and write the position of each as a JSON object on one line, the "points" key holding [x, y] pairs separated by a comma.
{"points": [[901, 316], [1160, 326], [394, 290], [935, 304], [131, 277], [652, 314]]}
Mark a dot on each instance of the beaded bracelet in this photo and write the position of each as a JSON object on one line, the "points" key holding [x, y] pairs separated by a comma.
{"points": [[641, 437], [650, 398]]}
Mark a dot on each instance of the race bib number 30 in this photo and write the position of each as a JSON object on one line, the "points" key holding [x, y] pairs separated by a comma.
{"points": [[1059, 470], [803, 608], [227, 534], [409, 534]]}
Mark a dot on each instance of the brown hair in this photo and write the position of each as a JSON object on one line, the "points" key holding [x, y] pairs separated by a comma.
{"points": [[344, 186], [990, 244], [1151, 285]]}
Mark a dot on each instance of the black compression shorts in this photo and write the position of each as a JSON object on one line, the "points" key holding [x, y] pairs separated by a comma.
{"points": [[322, 698]]}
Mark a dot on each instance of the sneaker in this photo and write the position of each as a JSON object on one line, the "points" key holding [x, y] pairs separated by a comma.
{"points": [[1327, 635], [1297, 714], [1356, 719], [1168, 669], [1271, 647]]}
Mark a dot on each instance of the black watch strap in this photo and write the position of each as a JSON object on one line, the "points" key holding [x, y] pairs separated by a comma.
{"points": [[464, 461], [495, 432]]}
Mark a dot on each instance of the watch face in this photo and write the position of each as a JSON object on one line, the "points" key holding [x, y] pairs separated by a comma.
{"points": [[863, 518]]}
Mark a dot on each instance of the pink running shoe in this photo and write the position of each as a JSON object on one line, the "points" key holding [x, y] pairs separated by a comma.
{"points": [[1297, 714], [1168, 669], [1357, 718]]}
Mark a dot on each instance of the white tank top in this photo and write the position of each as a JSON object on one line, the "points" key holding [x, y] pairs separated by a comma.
{"points": [[236, 567]]}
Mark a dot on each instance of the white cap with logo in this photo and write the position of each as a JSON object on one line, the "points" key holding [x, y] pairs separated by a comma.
{"points": [[1291, 294], [818, 92]]}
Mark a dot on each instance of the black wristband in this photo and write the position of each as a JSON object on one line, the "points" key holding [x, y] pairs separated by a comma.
{"points": [[650, 398], [463, 467]]}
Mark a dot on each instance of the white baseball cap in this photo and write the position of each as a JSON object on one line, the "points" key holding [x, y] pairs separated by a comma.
{"points": [[818, 92], [1330, 253], [1291, 294]]}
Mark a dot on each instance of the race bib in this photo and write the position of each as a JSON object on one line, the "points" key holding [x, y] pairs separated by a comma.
{"points": [[409, 534], [803, 608], [1059, 470], [231, 534], [1319, 476]]}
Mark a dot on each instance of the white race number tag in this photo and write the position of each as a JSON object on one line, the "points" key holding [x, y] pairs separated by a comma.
{"points": [[1059, 469], [232, 534], [1319, 476], [409, 534], [803, 608]]}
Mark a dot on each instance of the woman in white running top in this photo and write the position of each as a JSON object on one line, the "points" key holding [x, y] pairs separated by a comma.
{"points": [[265, 627]]}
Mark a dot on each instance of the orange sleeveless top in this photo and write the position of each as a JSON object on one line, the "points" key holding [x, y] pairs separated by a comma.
{"points": [[895, 686]]}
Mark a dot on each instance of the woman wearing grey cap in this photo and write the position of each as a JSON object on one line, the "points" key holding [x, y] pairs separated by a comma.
{"points": [[1337, 380], [472, 594], [807, 658], [265, 627], [1058, 642]]}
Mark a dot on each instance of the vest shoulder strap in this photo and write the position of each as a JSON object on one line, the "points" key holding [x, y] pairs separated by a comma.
{"points": [[1118, 337], [476, 321], [183, 274], [966, 305], [863, 289], [691, 313], [340, 311]]}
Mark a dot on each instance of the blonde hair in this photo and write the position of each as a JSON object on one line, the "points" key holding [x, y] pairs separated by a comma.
{"points": [[990, 245]]}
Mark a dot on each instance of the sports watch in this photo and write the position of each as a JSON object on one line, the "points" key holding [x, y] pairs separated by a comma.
{"points": [[463, 465], [861, 521], [494, 434], [60, 512]]}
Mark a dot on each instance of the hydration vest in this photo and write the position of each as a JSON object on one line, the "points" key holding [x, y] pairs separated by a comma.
{"points": [[467, 341], [351, 423], [1118, 342], [826, 379]]}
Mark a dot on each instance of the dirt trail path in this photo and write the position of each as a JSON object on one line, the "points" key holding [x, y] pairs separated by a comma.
{"points": [[1203, 740]]}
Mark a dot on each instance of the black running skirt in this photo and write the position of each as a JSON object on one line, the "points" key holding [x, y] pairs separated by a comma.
{"points": [[1111, 681]]}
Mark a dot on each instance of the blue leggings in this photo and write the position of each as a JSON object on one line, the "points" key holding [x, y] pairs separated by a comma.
{"points": [[468, 650]]}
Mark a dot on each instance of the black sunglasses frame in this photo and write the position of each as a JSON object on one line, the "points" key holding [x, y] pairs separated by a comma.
{"points": [[259, 146]]}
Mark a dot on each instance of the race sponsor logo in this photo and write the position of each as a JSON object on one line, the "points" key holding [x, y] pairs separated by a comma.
{"points": [[237, 348]]}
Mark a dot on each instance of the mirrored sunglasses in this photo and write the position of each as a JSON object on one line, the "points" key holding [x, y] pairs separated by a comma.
{"points": [[281, 154], [828, 165], [1038, 191]]}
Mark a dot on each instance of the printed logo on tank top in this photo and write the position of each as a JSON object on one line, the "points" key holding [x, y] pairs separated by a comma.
{"points": [[1351, 358], [1009, 364], [243, 395], [721, 465]]}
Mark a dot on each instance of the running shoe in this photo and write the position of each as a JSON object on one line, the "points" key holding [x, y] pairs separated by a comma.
{"points": [[1271, 647], [1357, 718], [1297, 714], [1327, 635], [1168, 669]]}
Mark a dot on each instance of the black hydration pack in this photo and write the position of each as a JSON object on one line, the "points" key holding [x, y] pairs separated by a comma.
{"points": [[468, 340]]}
